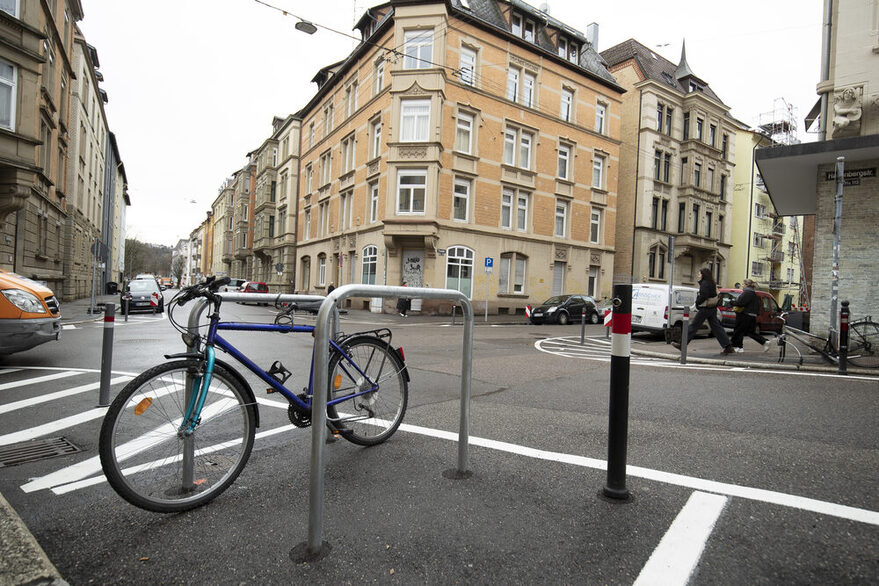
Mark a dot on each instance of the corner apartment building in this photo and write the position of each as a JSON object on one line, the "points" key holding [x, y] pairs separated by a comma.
{"points": [[456, 132], [675, 171], [36, 135], [243, 192], [274, 216], [221, 217], [766, 247]]}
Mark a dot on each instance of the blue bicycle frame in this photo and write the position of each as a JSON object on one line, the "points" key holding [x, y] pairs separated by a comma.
{"points": [[213, 339]]}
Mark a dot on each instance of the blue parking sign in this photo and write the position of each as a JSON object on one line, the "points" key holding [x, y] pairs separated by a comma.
{"points": [[489, 262]]}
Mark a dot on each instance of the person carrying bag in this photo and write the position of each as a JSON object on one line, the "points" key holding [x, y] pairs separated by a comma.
{"points": [[706, 310]]}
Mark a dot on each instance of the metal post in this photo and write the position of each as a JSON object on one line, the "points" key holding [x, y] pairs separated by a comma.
{"points": [[843, 338], [486, 295], [617, 431], [837, 228], [671, 277], [583, 327], [94, 271], [107, 354], [685, 334], [454, 309]]}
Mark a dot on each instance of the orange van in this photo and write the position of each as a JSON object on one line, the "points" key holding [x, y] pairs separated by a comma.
{"points": [[29, 314]]}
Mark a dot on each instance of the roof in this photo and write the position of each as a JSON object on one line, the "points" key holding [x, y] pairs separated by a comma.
{"points": [[656, 67]]}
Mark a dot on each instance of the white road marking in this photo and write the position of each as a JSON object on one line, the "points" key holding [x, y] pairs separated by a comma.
{"points": [[51, 427], [39, 379], [58, 395], [10, 370], [678, 553], [69, 327]]}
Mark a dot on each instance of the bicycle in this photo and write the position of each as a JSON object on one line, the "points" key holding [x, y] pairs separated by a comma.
{"points": [[180, 433], [863, 343]]}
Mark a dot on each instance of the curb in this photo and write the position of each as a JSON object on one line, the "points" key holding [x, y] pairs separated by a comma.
{"points": [[763, 365], [22, 560]]}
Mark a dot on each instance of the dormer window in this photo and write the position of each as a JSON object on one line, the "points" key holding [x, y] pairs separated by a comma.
{"points": [[573, 53], [529, 31], [523, 28], [516, 25], [563, 47]]}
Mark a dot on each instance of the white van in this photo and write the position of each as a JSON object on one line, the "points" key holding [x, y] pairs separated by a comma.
{"points": [[650, 307]]}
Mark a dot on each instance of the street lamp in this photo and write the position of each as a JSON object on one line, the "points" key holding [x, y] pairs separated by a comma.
{"points": [[306, 27]]}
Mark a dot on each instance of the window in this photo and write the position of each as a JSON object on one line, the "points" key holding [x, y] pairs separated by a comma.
{"points": [[346, 201], [376, 144], [329, 111], [720, 228], [323, 227], [271, 226], [326, 167], [756, 269], [461, 200], [659, 115], [511, 278], [699, 124], [666, 167], [573, 53], [411, 186], [759, 210], [321, 270], [414, 120], [791, 275], [657, 164], [686, 133], [309, 178], [600, 116], [566, 111], [512, 137], [273, 192], [369, 265], [564, 161], [8, 81], [306, 274], [513, 84], [9, 6], [598, 172], [417, 49], [459, 269], [669, 116], [507, 207], [656, 262], [528, 81], [595, 226], [529, 30], [708, 219], [311, 134], [351, 99], [348, 154], [759, 240], [654, 213], [516, 25], [379, 76], [684, 177], [373, 202], [722, 187], [724, 145], [561, 218], [682, 214], [464, 133], [663, 216], [563, 47], [467, 66], [697, 174], [522, 211], [695, 218], [712, 135], [709, 180]]}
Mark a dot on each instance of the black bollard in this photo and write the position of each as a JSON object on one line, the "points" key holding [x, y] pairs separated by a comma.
{"points": [[843, 338], [617, 432], [107, 354]]}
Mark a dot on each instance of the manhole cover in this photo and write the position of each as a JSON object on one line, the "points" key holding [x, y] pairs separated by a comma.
{"points": [[35, 450]]}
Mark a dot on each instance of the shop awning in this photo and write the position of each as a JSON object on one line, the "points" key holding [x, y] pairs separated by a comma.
{"points": [[790, 173]]}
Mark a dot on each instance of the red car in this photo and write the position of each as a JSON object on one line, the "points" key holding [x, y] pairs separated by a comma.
{"points": [[253, 287], [768, 319]]}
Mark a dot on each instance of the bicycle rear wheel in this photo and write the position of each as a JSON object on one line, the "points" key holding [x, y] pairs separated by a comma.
{"points": [[372, 417], [863, 344], [147, 459]]}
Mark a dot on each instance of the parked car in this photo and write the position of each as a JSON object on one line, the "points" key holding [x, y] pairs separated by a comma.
{"points": [[650, 312], [234, 286], [140, 295], [166, 283], [29, 314], [768, 320], [253, 287], [564, 309]]}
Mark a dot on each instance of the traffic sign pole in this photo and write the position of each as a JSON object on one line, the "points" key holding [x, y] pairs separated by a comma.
{"points": [[489, 266]]}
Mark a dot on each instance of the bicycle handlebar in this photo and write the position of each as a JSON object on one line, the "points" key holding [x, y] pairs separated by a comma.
{"points": [[208, 289]]}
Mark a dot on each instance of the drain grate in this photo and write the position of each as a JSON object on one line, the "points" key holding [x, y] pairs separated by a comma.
{"points": [[35, 450]]}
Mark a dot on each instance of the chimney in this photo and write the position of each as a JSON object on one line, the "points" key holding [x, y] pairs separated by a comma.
{"points": [[592, 35]]}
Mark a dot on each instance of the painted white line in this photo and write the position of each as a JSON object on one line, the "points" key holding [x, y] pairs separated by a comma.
{"points": [[10, 370], [69, 327], [51, 427], [59, 395], [39, 379], [678, 553]]}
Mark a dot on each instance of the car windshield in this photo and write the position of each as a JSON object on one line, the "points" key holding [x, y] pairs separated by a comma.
{"points": [[142, 286], [557, 300]]}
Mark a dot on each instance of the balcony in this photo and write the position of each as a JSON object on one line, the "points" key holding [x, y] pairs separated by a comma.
{"points": [[775, 256]]}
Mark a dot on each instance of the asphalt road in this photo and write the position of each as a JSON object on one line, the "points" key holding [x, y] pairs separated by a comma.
{"points": [[735, 476]]}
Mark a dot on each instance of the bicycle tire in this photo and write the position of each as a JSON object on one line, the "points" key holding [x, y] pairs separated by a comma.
{"points": [[371, 418], [141, 450], [863, 344]]}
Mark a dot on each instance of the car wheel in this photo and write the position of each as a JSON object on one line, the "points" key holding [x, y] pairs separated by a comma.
{"points": [[563, 319], [594, 319]]}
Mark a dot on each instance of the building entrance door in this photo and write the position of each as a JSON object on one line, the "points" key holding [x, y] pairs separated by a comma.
{"points": [[413, 271]]}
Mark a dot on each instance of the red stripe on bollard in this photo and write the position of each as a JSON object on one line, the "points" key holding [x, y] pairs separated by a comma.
{"points": [[621, 323], [109, 318]]}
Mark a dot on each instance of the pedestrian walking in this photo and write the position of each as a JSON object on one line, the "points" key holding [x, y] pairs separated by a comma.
{"points": [[404, 303], [706, 310], [331, 288], [747, 307]]}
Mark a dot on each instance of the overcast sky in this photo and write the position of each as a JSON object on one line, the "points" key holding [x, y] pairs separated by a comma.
{"points": [[193, 84]]}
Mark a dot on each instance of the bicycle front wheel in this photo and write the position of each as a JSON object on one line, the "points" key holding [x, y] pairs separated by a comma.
{"points": [[374, 416], [149, 461], [863, 344]]}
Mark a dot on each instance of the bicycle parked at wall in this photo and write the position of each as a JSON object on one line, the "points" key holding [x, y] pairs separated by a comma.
{"points": [[180, 433], [863, 343]]}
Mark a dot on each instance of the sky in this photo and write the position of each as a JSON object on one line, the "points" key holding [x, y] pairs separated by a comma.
{"points": [[193, 85]]}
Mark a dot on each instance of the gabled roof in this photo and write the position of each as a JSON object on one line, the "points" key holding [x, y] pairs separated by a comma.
{"points": [[658, 68]]}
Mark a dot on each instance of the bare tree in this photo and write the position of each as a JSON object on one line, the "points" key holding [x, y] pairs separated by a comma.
{"points": [[178, 266]]}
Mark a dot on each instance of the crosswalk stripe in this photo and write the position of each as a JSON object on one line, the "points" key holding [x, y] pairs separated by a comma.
{"points": [[59, 395], [39, 379], [51, 427]]}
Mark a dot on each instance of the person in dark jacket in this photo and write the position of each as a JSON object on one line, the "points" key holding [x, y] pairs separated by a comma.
{"points": [[707, 312], [404, 303], [747, 306]]}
